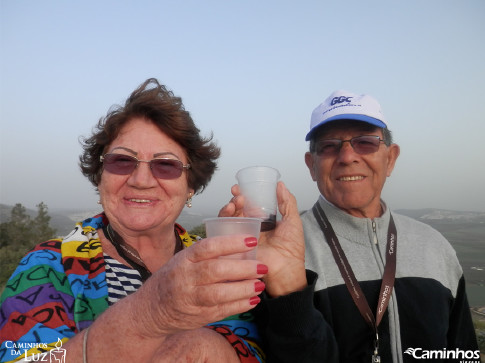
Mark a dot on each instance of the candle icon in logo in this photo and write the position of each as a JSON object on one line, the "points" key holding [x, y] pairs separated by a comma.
{"points": [[58, 354]]}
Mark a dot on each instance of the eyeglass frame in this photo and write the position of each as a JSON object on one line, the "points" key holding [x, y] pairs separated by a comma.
{"points": [[138, 161], [314, 143]]}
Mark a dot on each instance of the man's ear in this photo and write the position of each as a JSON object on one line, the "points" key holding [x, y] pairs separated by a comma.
{"points": [[393, 153], [310, 163]]}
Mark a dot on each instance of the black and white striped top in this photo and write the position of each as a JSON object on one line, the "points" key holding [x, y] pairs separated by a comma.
{"points": [[121, 280]]}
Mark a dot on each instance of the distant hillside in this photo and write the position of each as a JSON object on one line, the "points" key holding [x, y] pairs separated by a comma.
{"points": [[63, 220], [430, 214]]}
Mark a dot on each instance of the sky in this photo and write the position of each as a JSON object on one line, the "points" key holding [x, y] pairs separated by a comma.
{"points": [[250, 72]]}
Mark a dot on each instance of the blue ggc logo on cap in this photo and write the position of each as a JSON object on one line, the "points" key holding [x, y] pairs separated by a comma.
{"points": [[340, 99]]}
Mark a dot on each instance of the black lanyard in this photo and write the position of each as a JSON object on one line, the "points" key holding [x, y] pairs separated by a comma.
{"points": [[350, 279], [128, 253]]}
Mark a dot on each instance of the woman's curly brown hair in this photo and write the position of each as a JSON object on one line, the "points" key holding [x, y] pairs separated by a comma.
{"points": [[153, 101]]}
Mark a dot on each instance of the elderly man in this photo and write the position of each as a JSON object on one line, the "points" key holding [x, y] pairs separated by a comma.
{"points": [[380, 286]]}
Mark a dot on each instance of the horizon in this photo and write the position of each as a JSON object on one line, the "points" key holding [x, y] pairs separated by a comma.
{"points": [[185, 211]]}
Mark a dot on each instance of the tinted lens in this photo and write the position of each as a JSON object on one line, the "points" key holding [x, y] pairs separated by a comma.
{"points": [[119, 164], [365, 144], [328, 147], [166, 168]]}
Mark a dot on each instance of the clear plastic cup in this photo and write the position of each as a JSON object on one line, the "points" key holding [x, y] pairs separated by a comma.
{"points": [[224, 226], [258, 186]]}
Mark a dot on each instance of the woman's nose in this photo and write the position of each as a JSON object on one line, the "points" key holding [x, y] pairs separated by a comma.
{"points": [[142, 175]]}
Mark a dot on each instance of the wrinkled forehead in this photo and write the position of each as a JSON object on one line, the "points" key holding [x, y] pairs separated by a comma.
{"points": [[346, 125]]}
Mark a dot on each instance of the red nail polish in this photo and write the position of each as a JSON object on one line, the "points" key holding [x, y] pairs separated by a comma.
{"points": [[251, 241], [262, 269], [259, 286], [254, 300]]}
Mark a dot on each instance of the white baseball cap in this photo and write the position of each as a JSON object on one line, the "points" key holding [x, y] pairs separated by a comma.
{"points": [[343, 105]]}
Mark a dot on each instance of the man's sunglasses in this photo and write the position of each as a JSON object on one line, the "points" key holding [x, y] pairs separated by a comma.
{"points": [[162, 168], [362, 145]]}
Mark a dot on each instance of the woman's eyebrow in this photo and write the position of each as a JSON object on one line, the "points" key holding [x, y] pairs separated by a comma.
{"points": [[126, 149], [161, 154], [166, 153]]}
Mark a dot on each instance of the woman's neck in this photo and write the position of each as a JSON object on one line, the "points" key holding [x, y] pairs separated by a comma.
{"points": [[153, 249]]}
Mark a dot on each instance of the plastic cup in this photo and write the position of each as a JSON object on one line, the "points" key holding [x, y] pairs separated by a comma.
{"points": [[224, 226], [258, 186]]}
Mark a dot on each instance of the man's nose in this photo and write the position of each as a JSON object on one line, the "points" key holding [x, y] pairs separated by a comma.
{"points": [[347, 152]]}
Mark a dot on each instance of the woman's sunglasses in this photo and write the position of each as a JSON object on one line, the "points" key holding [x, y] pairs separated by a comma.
{"points": [[162, 168], [362, 145]]}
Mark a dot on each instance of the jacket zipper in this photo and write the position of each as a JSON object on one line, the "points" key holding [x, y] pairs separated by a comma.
{"points": [[379, 256], [374, 229]]}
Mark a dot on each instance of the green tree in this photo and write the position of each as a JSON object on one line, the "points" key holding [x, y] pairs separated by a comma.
{"points": [[42, 229], [16, 232], [19, 235]]}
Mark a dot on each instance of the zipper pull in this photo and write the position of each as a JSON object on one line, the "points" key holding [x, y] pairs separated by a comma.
{"points": [[374, 229]]}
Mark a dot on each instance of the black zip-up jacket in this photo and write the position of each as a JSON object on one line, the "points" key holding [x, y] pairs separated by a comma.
{"points": [[428, 318]]}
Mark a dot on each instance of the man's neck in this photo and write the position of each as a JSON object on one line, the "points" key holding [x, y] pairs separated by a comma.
{"points": [[360, 213]]}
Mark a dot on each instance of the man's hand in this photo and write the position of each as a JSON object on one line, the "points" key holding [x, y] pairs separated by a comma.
{"points": [[281, 249]]}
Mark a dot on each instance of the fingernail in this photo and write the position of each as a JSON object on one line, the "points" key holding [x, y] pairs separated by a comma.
{"points": [[254, 300], [262, 269], [259, 286], [251, 241]]}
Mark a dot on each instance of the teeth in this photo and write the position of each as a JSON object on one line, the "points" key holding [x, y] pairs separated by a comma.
{"points": [[140, 200], [351, 178]]}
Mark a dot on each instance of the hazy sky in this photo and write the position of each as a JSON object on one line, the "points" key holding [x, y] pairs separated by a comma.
{"points": [[251, 72]]}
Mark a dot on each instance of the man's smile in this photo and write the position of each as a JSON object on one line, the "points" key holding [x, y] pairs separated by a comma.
{"points": [[351, 178]]}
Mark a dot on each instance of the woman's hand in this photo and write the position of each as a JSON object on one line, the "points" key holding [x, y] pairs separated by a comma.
{"points": [[195, 287], [281, 249]]}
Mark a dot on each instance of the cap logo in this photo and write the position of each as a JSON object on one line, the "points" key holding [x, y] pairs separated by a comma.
{"points": [[340, 99]]}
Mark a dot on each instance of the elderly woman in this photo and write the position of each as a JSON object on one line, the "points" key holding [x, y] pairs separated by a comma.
{"points": [[130, 284]]}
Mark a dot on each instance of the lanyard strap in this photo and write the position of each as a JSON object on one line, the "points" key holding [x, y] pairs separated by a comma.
{"points": [[130, 254], [348, 275], [127, 252]]}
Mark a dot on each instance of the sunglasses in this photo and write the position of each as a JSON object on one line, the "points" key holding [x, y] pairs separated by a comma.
{"points": [[362, 145], [162, 168]]}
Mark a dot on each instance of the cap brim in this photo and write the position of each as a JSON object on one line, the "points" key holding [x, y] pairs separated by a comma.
{"points": [[349, 116]]}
